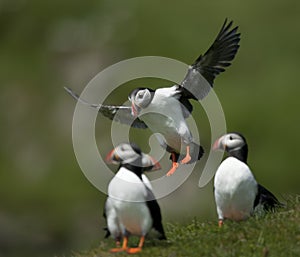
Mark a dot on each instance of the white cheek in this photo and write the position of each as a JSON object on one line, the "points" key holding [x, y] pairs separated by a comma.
{"points": [[233, 143]]}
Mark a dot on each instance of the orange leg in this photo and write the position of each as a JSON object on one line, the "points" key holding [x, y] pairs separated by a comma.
{"points": [[220, 223], [123, 248], [174, 165], [187, 157], [139, 248]]}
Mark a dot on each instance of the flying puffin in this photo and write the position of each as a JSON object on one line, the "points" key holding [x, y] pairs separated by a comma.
{"points": [[237, 194], [131, 208], [165, 110]]}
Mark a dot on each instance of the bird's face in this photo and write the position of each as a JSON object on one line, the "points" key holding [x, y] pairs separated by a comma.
{"points": [[229, 142], [131, 154], [123, 153], [149, 163], [139, 98]]}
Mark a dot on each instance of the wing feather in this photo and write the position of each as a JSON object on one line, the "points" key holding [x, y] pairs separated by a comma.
{"points": [[266, 199], [120, 113], [155, 213], [201, 74]]}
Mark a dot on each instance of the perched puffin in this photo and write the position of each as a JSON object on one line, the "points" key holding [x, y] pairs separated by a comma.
{"points": [[237, 194], [164, 110], [131, 208]]}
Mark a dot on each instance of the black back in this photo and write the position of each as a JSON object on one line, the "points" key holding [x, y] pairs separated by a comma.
{"points": [[155, 214], [266, 199]]}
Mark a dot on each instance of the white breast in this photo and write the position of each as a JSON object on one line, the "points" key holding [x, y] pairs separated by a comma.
{"points": [[113, 224], [127, 194], [235, 190], [164, 115]]}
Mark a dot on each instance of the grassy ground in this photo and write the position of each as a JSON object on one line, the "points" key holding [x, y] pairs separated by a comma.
{"points": [[275, 234]]}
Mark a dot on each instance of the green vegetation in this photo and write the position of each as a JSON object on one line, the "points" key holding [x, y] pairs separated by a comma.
{"points": [[275, 234], [47, 206]]}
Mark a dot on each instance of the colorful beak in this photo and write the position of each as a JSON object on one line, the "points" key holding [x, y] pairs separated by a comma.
{"points": [[156, 165], [112, 157], [219, 145], [134, 111], [149, 163]]}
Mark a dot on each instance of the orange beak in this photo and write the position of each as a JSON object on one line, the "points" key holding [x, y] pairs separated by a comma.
{"points": [[219, 145], [111, 157], [156, 164], [134, 110], [216, 145]]}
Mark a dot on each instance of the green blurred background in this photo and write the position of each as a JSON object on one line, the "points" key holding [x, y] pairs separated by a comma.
{"points": [[47, 206]]}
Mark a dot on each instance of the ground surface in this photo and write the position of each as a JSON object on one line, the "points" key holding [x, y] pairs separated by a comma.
{"points": [[275, 234]]}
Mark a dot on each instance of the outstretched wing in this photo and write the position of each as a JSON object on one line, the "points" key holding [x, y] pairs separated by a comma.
{"points": [[201, 74], [120, 114]]}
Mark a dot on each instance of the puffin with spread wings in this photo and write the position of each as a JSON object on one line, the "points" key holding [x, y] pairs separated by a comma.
{"points": [[165, 110]]}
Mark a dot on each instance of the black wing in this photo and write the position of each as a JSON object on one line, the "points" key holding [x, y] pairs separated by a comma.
{"points": [[266, 199], [105, 217], [120, 114], [155, 214], [201, 74]]}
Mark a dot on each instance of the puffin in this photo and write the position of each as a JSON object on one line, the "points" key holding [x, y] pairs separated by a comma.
{"points": [[165, 110], [131, 208], [237, 193]]}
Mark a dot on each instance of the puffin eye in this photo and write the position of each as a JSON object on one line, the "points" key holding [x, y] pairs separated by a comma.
{"points": [[230, 138]]}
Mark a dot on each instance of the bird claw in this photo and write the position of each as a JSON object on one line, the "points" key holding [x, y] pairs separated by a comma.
{"points": [[220, 223], [186, 159], [117, 250], [173, 169], [134, 250]]}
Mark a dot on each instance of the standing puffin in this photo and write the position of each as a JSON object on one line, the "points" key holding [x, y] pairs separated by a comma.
{"points": [[165, 110], [131, 208], [237, 194]]}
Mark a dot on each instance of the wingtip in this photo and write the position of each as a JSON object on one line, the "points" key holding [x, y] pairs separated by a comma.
{"points": [[67, 89], [73, 94], [227, 24]]}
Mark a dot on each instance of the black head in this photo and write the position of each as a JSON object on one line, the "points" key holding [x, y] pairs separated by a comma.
{"points": [[234, 144], [140, 98], [131, 157]]}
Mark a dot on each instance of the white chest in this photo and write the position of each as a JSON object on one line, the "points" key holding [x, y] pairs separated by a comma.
{"points": [[235, 189], [127, 195], [126, 186], [164, 115]]}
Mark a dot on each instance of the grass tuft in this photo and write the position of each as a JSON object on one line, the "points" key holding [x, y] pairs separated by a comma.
{"points": [[274, 234]]}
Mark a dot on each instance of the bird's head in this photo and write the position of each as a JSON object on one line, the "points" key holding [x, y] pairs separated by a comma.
{"points": [[230, 143], [130, 154], [140, 98]]}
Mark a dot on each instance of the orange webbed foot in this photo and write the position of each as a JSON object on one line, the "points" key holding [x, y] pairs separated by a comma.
{"points": [[220, 223], [187, 157], [137, 249], [120, 249], [117, 250], [134, 250], [175, 165]]}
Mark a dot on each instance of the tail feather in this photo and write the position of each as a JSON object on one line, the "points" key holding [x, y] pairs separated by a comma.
{"points": [[266, 199], [107, 232]]}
